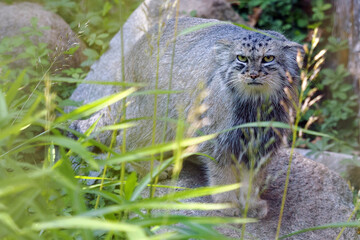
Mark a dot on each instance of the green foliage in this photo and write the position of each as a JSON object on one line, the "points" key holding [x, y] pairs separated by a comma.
{"points": [[21, 50], [337, 112], [334, 45], [288, 16], [24, 64], [46, 201], [284, 16], [21, 85], [96, 21], [319, 8]]}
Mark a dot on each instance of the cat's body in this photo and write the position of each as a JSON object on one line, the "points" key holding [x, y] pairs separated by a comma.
{"points": [[242, 87], [240, 91]]}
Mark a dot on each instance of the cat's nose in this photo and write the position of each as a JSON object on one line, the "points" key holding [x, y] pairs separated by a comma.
{"points": [[254, 75]]}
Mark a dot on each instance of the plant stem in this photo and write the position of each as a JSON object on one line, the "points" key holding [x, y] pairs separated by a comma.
{"points": [[169, 87], [123, 116], [294, 132], [155, 101], [294, 135], [351, 215]]}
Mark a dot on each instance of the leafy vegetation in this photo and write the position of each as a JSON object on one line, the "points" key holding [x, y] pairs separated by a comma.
{"points": [[41, 198], [337, 112], [288, 16]]}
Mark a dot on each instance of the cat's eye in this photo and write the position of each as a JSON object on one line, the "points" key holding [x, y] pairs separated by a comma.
{"points": [[268, 59], [241, 58]]}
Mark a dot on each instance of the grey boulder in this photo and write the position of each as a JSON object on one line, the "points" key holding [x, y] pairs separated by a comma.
{"points": [[348, 166], [58, 38], [316, 196]]}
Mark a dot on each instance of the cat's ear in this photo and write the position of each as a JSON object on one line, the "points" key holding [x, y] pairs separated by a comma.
{"points": [[294, 51], [294, 56], [222, 51]]}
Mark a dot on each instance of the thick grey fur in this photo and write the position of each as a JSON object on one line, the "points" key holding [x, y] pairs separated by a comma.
{"points": [[209, 56]]}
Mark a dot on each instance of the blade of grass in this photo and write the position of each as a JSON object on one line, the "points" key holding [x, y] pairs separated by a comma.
{"points": [[118, 126], [199, 192], [254, 30], [147, 179], [152, 150], [21, 182], [357, 206], [150, 204], [73, 145], [200, 27], [332, 225], [113, 140], [14, 89], [169, 85], [3, 108], [279, 125], [94, 106], [92, 224], [8, 221], [17, 128], [115, 83], [174, 219]]}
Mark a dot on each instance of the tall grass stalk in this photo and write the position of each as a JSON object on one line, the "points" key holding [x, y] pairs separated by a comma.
{"points": [[307, 75], [49, 118], [154, 120], [123, 116], [356, 209], [251, 177], [112, 143], [294, 132], [176, 3]]}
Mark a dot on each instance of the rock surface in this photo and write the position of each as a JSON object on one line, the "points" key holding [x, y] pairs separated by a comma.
{"points": [[346, 165], [59, 37], [316, 196], [212, 9]]}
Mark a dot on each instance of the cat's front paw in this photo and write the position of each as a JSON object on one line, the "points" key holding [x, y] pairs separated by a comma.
{"points": [[256, 208]]}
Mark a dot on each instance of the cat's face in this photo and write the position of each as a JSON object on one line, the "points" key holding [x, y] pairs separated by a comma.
{"points": [[256, 65]]}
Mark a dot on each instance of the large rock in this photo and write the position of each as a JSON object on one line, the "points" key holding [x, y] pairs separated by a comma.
{"points": [[316, 196], [59, 37], [346, 165], [212, 9]]}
